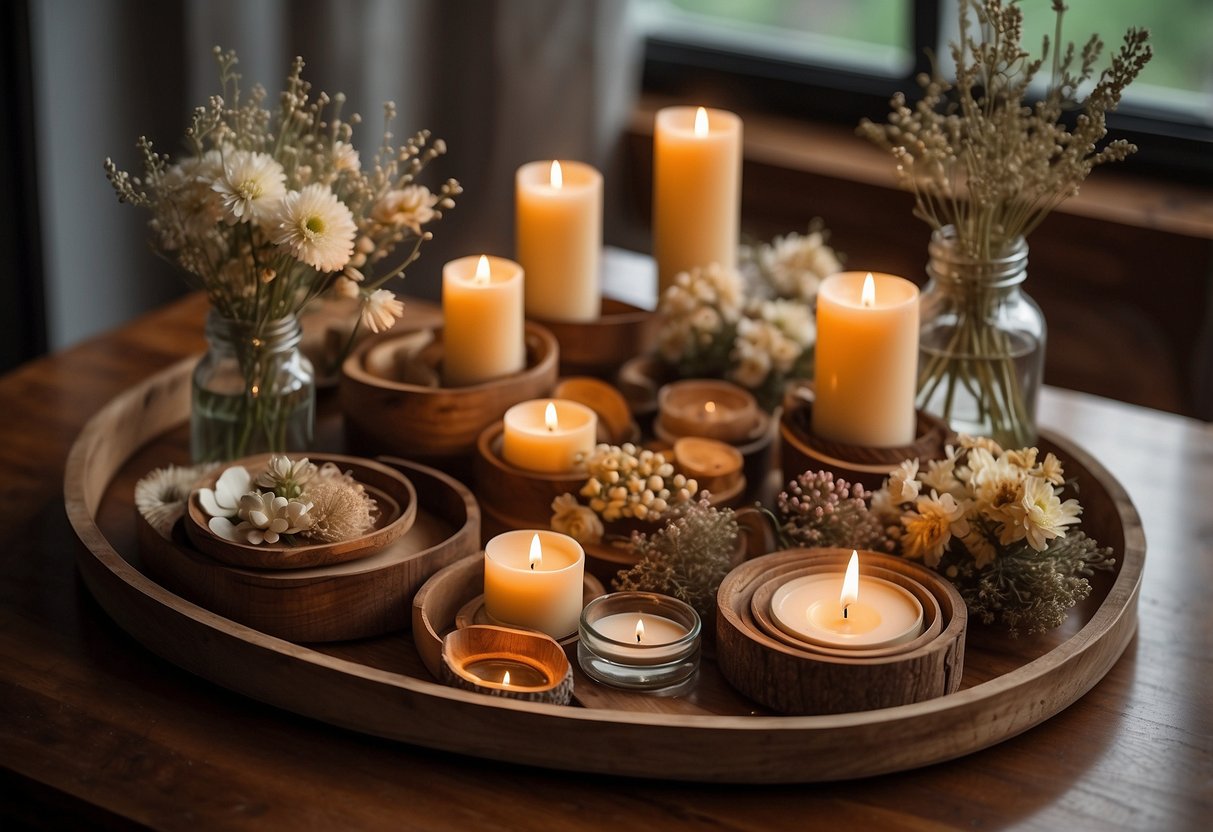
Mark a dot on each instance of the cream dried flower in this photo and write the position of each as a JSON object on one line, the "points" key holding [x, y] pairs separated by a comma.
{"points": [[929, 529], [1042, 515], [286, 478], [794, 265], [624, 481], [381, 310], [161, 495], [341, 509], [317, 227], [410, 207], [576, 520], [224, 499], [265, 518], [250, 187]]}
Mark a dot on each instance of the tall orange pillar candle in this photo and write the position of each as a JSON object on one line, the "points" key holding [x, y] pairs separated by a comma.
{"points": [[482, 320], [558, 239], [696, 190], [867, 359]]}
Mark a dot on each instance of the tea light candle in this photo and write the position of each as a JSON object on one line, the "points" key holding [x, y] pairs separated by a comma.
{"points": [[547, 435], [534, 579], [483, 319], [713, 409], [558, 239], [866, 359], [696, 190], [714, 465], [846, 611], [508, 673], [639, 640]]}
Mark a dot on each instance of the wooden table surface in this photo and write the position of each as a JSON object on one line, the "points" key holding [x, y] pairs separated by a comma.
{"points": [[96, 731]]}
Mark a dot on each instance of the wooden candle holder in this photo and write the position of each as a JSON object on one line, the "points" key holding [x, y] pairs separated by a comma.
{"points": [[802, 679], [801, 450], [450, 599], [463, 649], [756, 451], [598, 347], [436, 425]]}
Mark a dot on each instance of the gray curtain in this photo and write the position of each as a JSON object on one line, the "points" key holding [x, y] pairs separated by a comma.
{"points": [[502, 81]]}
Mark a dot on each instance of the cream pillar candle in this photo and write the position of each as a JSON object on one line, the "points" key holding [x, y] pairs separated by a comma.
{"points": [[547, 435], [846, 611], [867, 360], [483, 320], [558, 239], [533, 579], [696, 190]]}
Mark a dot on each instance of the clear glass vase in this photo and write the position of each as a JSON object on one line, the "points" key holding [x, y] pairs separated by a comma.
{"points": [[253, 390], [981, 342]]}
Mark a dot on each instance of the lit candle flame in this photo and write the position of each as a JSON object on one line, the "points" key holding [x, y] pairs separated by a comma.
{"points": [[505, 680], [557, 175], [850, 584], [639, 630], [867, 298], [710, 408], [536, 552], [483, 274], [549, 416], [701, 122]]}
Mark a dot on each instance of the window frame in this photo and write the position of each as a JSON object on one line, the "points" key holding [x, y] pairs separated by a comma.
{"points": [[1169, 145]]}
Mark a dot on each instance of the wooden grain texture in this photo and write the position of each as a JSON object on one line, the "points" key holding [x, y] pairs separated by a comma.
{"points": [[797, 680], [99, 732], [479, 641], [396, 509]]}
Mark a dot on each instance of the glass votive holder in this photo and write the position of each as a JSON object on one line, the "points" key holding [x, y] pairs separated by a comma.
{"points": [[639, 640]]}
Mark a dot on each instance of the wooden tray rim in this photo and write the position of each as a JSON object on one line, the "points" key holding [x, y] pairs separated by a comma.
{"points": [[752, 743]]}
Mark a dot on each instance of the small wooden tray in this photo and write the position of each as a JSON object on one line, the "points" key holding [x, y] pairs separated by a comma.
{"points": [[380, 687], [395, 500], [334, 602]]}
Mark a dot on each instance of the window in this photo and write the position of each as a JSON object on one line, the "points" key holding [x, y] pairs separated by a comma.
{"points": [[840, 60]]}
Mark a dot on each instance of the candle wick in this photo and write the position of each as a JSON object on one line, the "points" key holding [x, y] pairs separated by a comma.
{"points": [[844, 610], [533, 569], [638, 638]]}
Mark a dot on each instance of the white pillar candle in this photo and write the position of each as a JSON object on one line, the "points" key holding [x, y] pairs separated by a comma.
{"points": [[558, 239], [696, 190], [547, 435], [483, 320], [847, 611], [866, 360], [533, 579]]}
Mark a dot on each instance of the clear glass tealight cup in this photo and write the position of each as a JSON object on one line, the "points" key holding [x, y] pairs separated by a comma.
{"points": [[639, 640]]}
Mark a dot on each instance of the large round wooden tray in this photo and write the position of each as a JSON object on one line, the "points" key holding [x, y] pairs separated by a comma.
{"points": [[380, 687]]}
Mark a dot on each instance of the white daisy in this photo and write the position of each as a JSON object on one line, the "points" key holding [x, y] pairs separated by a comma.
{"points": [[317, 227], [1042, 515], [250, 186], [380, 310]]}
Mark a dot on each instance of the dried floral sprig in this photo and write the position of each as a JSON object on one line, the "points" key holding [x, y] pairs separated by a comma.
{"points": [[626, 481], [753, 325], [320, 504], [687, 558], [980, 159], [819, 510], [269, 209], [161, 495]]}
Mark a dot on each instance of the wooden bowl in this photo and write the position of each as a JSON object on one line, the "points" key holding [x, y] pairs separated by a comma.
{"points": [[799, 680], [598, 347], [463, 649], [801, 450], [353, 600], [437, 425], [392, 491]]}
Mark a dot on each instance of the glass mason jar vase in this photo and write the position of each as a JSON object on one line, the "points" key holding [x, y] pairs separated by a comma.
{"points": [[981, 342], [253, 391]]}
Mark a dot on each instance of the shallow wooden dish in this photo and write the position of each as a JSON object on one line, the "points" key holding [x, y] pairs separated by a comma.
{"points": [[353, 599], [380, 686], [395, 498]]}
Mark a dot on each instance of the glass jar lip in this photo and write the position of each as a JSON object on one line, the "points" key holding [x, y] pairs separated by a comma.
{"points": [[949, 264], [286, 331], [660, 603]]}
